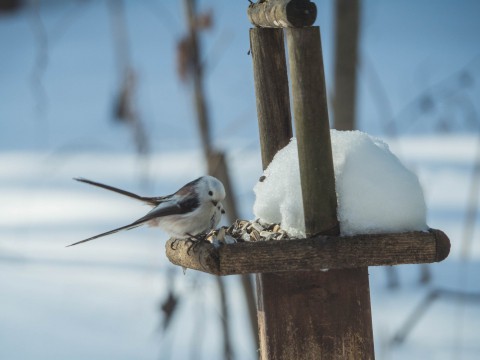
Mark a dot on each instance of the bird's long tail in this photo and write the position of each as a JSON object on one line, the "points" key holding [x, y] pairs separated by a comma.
{"points": [[126, 227], [149, 200]]}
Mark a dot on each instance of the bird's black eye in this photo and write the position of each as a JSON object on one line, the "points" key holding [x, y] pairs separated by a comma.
{"points": [[223, 211], [210, 193]]}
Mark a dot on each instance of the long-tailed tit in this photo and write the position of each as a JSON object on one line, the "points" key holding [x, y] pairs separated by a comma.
{"points": [[194, 209]]}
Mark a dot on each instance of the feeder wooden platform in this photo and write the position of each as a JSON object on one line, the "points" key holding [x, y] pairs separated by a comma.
{"points": [[311, 254]]}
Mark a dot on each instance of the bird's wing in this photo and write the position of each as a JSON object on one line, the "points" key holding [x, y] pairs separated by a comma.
{"points": [[188, 188], [173, 207], [176, 206], [149, 200]]}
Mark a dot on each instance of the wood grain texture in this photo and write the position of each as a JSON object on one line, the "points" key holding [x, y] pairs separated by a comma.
{"points": [[317, 315], [301, 312], [330, 332], [282, 13], [271, 91], [312, 254], [275, 129], [312, 130]]}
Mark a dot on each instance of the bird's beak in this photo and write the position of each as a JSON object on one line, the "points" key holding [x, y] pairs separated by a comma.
{"points": [[214, 202]]}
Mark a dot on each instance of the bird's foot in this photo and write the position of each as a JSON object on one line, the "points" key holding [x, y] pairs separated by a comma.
{"points": [[174, 244], [195, 241]]}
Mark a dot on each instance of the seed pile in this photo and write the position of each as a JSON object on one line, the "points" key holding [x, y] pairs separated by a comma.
{"points": [[243, 230]]}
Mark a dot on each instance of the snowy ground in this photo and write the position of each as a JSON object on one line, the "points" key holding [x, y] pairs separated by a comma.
{"points": [[101, 300]]}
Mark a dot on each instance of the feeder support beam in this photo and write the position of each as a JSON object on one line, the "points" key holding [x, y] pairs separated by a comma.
{"points": [[282, 13]]}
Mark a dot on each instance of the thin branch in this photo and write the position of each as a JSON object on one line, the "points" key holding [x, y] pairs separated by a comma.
{"points": [[41, 59]]}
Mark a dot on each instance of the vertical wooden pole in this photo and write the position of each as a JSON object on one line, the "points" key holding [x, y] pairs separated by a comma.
{"points": [[313, 131], [337, 323], [275, 129], [271, 90], [305, 315]]}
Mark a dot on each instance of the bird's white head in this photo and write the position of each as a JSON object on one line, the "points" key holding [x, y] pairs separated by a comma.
{"points": [[211, 189]]}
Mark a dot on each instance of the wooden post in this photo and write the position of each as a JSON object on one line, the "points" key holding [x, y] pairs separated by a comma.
{"points": [[275, 129], [271, 91], [313, 131], [341, 325]]}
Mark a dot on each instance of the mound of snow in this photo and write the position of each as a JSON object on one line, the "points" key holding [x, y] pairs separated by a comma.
{"points": [[376, 193]]}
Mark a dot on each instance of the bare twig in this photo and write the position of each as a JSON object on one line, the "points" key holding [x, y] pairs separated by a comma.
{"points": [[41, 58]]}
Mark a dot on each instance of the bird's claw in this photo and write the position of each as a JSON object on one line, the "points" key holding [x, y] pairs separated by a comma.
{"points": [[195, 241], [174, 244]]}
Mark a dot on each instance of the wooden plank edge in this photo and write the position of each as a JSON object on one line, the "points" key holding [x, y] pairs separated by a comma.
{"points": [[443, 244], [311, 254]]}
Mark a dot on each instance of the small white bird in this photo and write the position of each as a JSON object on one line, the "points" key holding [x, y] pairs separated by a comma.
{"points": [[194, 209]]}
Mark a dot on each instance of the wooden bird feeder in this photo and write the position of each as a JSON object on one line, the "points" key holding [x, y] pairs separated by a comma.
{"points": [[303, 312], [311, 254]]}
